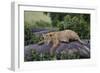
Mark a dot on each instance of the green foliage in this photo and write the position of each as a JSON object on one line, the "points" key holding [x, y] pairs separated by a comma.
{"points": [[30, 37], [46, 56], [60, 25], [79, 23], [28, 33], [35, 39], [42, 24]]}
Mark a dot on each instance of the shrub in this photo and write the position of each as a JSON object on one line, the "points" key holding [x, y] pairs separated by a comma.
{"points": [[27, 33], [79, 23], [46, 56], [29, 36]]}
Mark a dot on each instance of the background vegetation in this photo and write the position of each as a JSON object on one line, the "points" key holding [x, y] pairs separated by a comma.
{"points": [[79, 23]]}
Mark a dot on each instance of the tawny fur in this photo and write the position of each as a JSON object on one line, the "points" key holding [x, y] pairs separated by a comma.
{"points": [[60, 36]]}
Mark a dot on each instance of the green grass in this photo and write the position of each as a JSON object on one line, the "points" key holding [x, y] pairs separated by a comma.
{"points": [[46, 56]]}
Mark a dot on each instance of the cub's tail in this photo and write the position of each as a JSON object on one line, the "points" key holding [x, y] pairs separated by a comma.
{"points": [[84, 45], [81, 42]]}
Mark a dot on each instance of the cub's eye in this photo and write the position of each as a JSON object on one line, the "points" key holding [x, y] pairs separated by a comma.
{"points": [[50, 35]]}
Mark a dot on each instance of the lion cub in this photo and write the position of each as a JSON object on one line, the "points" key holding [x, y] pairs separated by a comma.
{"points": [[60, 36]]}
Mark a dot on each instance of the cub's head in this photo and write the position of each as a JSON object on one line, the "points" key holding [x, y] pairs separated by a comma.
{"points": [[47, 37]]}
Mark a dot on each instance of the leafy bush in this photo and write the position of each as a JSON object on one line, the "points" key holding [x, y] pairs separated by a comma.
{"points": [[30, 37], [35, 39], [46, 56], [60, 25], [28, 33], [79, 23]]}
